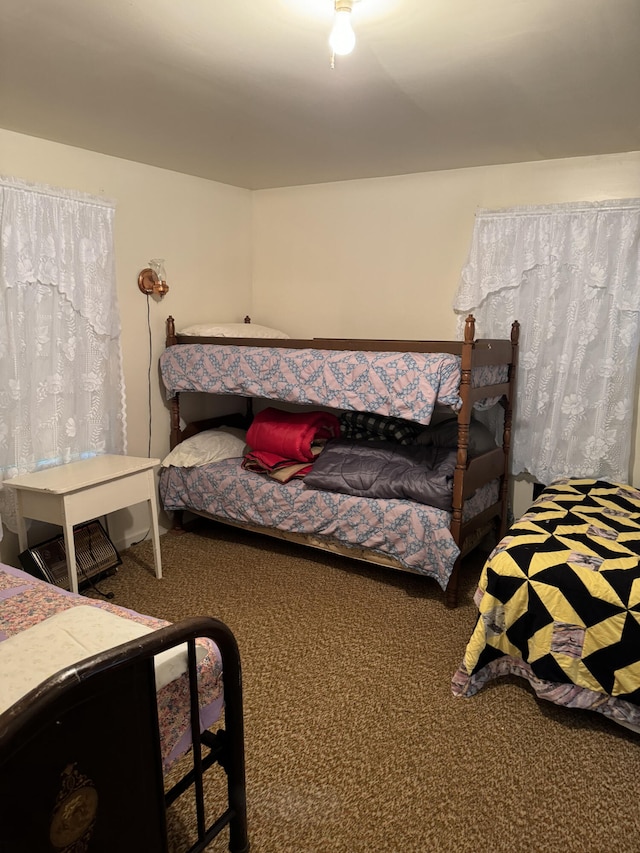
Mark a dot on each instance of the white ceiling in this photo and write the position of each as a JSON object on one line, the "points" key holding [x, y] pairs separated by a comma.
{"points": [[241, 91]]}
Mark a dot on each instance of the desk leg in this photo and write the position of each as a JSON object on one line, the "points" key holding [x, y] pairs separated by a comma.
{"points": [[70, 548], [23, 542], [153, 513]]}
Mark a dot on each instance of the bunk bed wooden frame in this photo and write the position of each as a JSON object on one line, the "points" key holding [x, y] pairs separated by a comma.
{"points": [[470, 473]]}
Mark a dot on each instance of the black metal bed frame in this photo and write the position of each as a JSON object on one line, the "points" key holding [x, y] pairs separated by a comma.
{"points": [[80, 762]]}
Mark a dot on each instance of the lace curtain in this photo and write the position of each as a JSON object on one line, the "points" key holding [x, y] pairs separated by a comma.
{"points": [[571, 275], [61, 379]]}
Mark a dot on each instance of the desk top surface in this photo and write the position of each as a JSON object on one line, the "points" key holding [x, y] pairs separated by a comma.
{"points": [[82, 474]]}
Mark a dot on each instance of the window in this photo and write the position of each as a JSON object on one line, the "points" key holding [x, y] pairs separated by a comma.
{"points": [[571, 275], [61, 379]]}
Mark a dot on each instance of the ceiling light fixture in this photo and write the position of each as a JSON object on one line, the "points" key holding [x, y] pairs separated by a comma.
{"points": [[342, 39]]}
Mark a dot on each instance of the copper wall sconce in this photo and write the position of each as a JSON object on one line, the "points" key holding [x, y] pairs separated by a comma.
{"points": [[153, 279]]}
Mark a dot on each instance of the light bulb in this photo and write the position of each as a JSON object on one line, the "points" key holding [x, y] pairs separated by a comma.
{"points": [[342, 39]]}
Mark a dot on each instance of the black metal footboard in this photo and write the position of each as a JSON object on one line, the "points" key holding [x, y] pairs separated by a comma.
{"points": [[80, 761]]}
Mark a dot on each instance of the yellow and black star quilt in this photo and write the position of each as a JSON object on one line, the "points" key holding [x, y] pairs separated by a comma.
{"points": [[561, 594]]}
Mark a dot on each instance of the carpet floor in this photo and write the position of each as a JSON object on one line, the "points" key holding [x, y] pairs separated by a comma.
{"points": [[354, 741]]}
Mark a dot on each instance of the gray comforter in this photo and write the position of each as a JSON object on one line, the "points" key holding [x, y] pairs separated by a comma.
{"points": [[380, 469]]}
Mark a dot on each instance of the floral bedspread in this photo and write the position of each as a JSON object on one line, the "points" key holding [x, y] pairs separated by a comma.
{"points": [[25, 601], [559, 602], [416, 535], [404, 385]]}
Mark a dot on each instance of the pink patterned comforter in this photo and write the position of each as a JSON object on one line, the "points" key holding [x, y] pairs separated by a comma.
{"points": [[404, 385], [25, 601], [417, 535]]}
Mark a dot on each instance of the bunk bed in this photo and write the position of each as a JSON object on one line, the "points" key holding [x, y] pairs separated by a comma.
{"points": [[98, 704], [402, 383], [558, 602]]}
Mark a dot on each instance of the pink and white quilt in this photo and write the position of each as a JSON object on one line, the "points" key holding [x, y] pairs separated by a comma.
{"points": [[398, 384], [417, 535], [26, 601]]}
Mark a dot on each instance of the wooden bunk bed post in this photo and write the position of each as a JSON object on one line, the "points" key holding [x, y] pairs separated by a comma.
{"points": [[499, 512], [509, 403], [176, 433], [171, 332], [464, 419]]}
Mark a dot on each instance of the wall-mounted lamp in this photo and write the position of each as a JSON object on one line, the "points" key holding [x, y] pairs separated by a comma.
{"points": [[342, 39], [153, 279]]}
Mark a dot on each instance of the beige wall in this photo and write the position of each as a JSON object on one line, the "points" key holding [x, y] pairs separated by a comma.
{"points": [[203, 231], [378, 257], [382, 257]]}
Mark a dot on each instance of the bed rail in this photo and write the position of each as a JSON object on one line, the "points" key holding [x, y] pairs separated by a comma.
{"points": [[486, 351]]}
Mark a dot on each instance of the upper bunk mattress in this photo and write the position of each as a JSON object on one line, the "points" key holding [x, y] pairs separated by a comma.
{"points": [[398, 384]]}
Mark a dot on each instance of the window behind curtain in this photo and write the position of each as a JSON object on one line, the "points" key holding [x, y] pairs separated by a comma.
{"points": [[61, 379], [570, 273]]}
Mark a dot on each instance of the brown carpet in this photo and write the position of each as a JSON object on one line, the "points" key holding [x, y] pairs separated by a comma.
{"points": [[354, 741]]}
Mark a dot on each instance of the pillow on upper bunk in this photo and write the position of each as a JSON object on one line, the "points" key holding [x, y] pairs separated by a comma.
{"points": [[445, 434], [231, 330], [211, 445]]}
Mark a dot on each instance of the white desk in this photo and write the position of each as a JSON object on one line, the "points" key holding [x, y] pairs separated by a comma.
{"points": [[81, 491]]}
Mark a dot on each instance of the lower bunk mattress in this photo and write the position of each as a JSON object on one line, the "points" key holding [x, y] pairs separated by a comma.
{"points": [[559, 602], [33, 612], [414, 534]]}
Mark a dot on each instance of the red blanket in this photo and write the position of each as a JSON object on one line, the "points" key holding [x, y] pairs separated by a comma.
{"points": [[290, 435], [283, 444], [274, 466]]}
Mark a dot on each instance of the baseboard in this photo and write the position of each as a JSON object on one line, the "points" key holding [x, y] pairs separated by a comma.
{"points": [[128, 539]]}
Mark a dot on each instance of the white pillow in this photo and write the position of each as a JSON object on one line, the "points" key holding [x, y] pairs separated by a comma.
{"points": [[30, 657], [212, 445], [232, 330]]}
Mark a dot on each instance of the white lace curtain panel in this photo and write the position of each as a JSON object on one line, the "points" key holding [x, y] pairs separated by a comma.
{"points": [[570, 273], [61, 379]]}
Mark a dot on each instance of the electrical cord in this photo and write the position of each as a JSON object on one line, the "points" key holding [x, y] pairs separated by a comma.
{"points": [[143, 538], [149, 374], [148, 399], [88, 577], [95, 586]]}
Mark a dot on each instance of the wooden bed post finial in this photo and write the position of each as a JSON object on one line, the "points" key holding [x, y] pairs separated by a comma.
{"points": [[515, 333], [470, 329], [171, 332]]}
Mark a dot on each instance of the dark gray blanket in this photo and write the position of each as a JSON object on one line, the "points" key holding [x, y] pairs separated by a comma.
{"points": [[379, 469]]}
